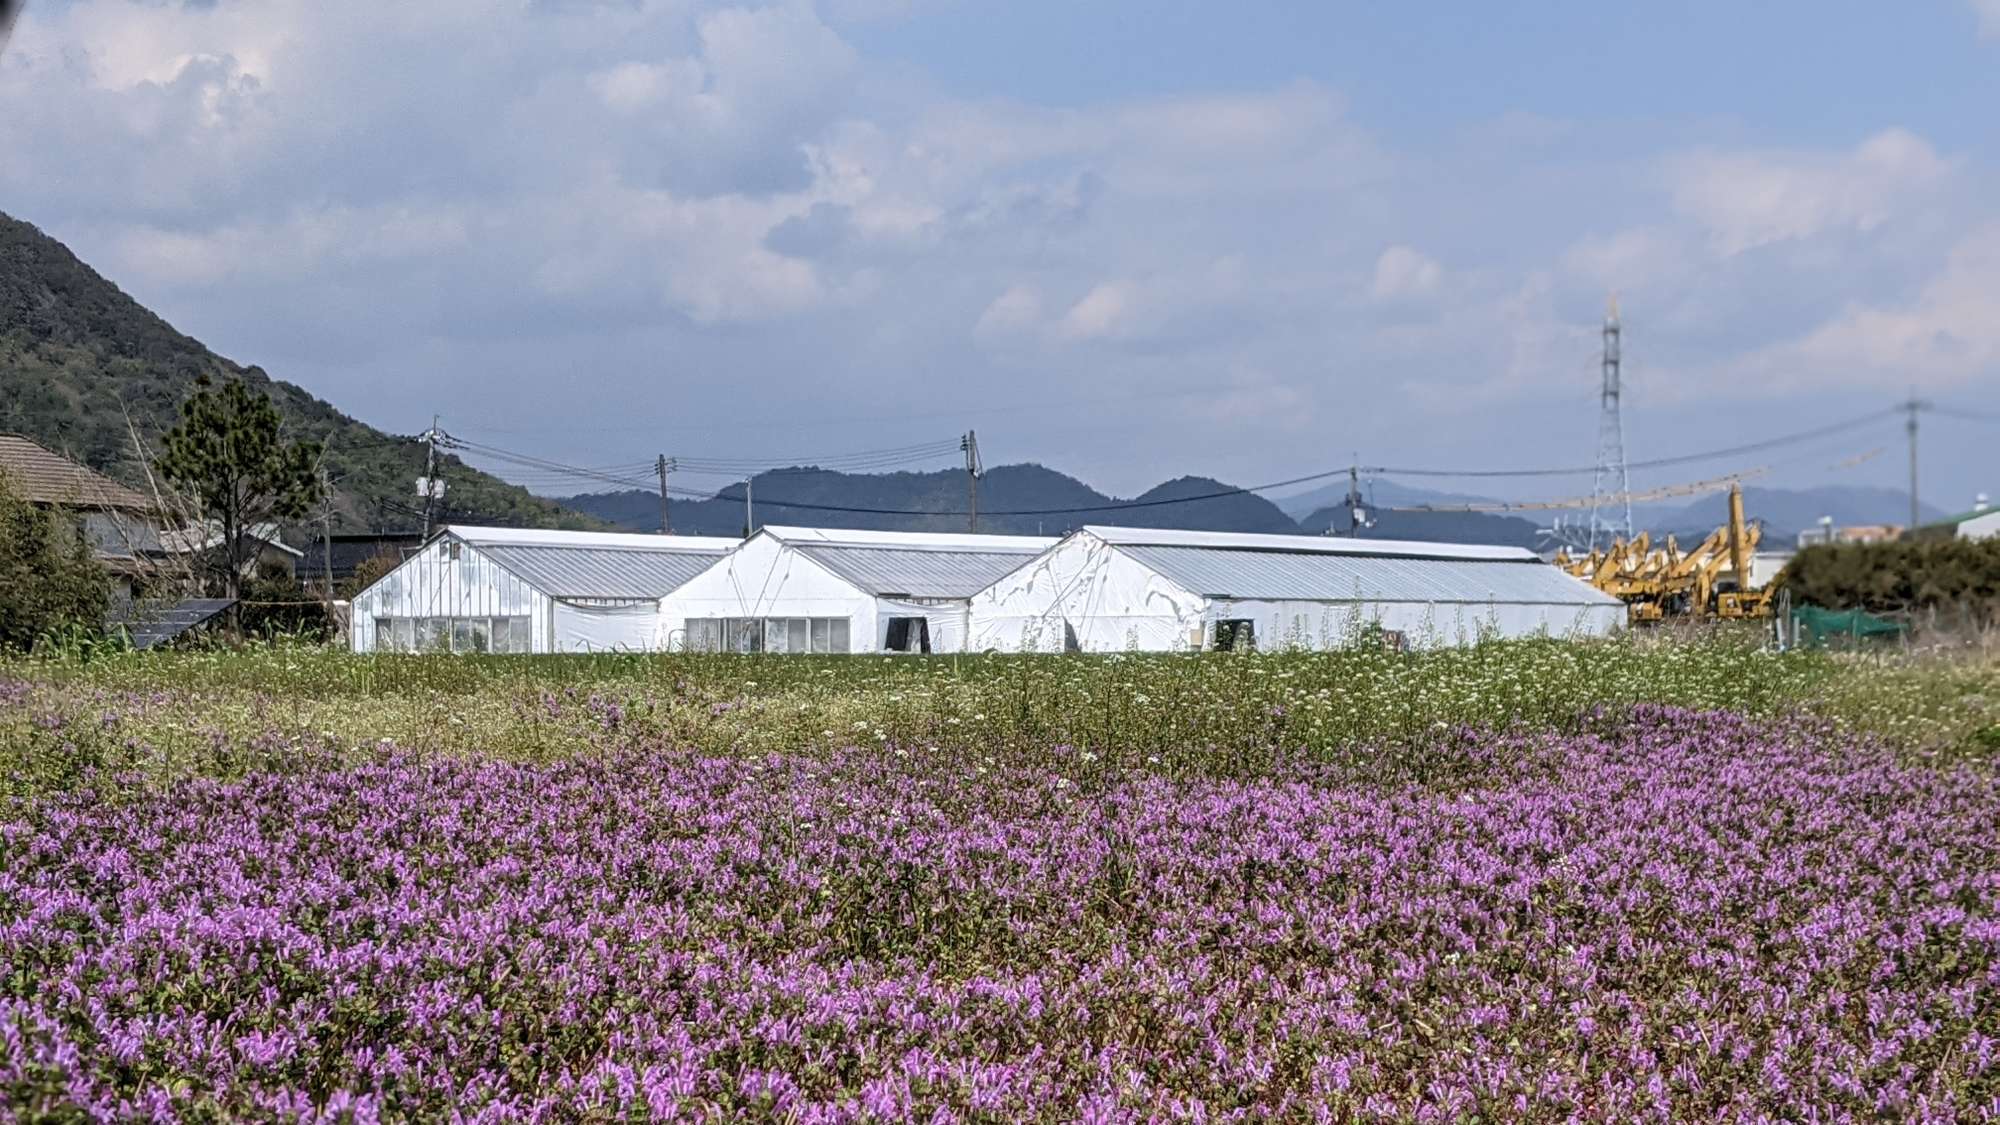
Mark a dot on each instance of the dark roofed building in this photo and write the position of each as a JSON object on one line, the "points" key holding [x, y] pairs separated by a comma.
{"points": [[121, 525], [51, 480], [350, 551]]}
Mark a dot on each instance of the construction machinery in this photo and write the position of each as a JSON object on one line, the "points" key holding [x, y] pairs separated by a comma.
{"points": [[1661, 582]]}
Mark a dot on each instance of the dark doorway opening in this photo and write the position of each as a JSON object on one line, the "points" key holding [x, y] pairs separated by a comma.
{"points": [[1235, 634], [909, 634]]}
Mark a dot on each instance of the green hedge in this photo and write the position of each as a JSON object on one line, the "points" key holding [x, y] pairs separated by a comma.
{"points": [[1899, 577]]}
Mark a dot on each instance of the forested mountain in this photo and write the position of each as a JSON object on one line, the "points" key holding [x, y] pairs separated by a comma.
{"points": [[1016, 499], [1431, 527], [84, 367]]}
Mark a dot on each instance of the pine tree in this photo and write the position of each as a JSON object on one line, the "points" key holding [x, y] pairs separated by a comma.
{"points": [[229, 452]]}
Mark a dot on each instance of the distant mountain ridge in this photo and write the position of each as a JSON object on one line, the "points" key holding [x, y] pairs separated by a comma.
{"points": [[79, 357], [1023, 499], [1032, 499]]}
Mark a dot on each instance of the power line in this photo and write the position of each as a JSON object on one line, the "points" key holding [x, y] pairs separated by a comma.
{"points": [[544, 471], [1656, 463], [1959, 413], [1133, 505]]}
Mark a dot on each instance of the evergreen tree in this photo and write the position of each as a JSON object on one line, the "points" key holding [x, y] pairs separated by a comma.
{"points": [[229, 452], [48, 578]]}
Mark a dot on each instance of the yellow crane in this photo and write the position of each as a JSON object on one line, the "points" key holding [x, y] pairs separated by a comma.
{"points": [[1662, 582]]}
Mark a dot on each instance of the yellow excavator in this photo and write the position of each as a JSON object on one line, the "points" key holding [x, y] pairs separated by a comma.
{"points": [[1656, 583]]}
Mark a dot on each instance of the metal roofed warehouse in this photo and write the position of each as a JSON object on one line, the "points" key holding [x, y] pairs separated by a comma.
{"points": [[1116, 588], [489, 589], [796, 589]]}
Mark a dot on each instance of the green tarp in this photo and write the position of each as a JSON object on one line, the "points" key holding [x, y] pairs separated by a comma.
{"points": [[1815, 626]]}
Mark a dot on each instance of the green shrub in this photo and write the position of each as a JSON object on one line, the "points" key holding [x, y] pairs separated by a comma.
{"points": [[49, 581], [1899, 577]]}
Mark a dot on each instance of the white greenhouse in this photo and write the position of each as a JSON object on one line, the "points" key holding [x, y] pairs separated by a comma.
{"points": [[791, 589], [1105, 589], [489, 589]]}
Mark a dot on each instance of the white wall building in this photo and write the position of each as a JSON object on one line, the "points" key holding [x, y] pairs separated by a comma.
{"points": [[792, 589], [1765, 566], [1983, 525], [1116, 588], [487, 589]]}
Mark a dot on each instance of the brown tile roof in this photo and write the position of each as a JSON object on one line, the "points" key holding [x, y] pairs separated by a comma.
{"points": [[42, 477]]}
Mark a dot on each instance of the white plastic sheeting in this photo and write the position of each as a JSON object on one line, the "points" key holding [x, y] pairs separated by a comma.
{"points": [[785, 572], [576, 591], [433, 584], [628, 627], [1091, 592], [1086, 591]]}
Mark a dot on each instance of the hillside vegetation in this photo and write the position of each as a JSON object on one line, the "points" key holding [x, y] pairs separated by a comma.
{"points": [[1013, 499], [83, 367]]}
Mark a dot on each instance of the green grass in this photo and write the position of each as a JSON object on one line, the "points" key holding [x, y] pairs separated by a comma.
{"points": [[135, 716]]}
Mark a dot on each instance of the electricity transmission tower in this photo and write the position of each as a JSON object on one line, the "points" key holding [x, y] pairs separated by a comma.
{"points": [[1611, 495]]}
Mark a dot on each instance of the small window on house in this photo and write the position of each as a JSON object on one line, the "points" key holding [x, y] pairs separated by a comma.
{"points": [[1235, 634]]}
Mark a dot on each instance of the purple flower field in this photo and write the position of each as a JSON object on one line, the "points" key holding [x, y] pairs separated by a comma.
{"points": [[1681, 917]]}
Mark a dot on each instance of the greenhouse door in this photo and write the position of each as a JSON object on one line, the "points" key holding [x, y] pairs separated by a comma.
{"points": [[909, 634]]}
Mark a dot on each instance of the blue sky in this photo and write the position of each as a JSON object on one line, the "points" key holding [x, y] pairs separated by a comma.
{"points": [[1128, 240], [1781, 71]]}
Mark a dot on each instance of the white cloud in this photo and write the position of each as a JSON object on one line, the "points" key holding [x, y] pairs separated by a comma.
{"points": [[1017, 310], [1108, 310], [1752, 199], [729, 189], [1989, 17], [1402, 273], [1947, 335], [634, 86]]}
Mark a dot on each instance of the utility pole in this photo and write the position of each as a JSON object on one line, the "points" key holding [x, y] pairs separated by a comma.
{"points": [[969, 445], [664, 465], [1357, 511], [749, 513], [326, 529], [1915, 406], [430, 474]]}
